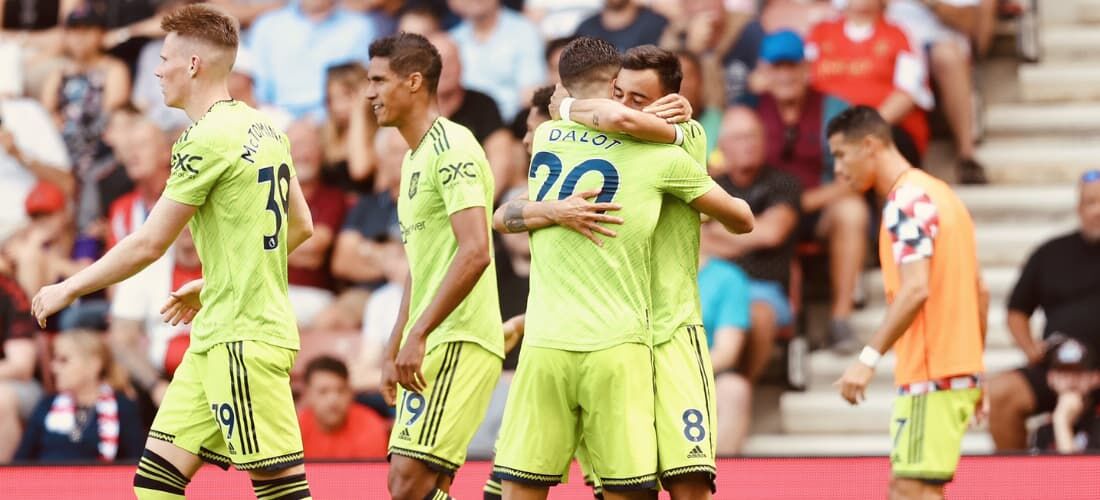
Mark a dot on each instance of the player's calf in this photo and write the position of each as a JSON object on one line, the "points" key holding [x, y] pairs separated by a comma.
{"points": [[411, 479], [690, 486], [156, 478], [285, 484]]}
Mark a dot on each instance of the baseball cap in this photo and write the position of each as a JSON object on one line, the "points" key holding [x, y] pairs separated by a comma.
{"points": [[44, 199], [85, 17], [782, 46], [1072, 354]]}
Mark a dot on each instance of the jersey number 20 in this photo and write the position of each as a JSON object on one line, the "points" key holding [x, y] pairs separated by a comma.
{"points": [[553, 163], [275, 195]]}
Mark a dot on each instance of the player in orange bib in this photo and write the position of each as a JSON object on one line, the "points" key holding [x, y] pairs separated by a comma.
{"points": [[937, 314]]}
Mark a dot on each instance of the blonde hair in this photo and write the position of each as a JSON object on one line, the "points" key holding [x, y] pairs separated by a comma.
{"points": [[92, 344]]}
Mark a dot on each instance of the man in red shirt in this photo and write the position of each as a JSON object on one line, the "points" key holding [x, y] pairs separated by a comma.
{"points": [[864, 60], [333, 426]]}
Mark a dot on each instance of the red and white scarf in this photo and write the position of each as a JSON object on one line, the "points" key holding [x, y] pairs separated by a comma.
{"points": [[62, 419]]}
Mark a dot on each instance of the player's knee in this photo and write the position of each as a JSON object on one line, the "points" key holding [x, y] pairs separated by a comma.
{"points": [[157, 479], [408, 485]]}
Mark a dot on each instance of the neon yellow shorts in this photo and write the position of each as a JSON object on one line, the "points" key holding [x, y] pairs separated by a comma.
{"points": [[232, 405], [927, 430], [436, 426]]}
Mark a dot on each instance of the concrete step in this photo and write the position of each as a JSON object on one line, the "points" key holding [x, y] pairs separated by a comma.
{"points": [[1048, 120], [825, 412], [871, 444], [865, 321], [1068, 12], [996, 203], [1066, 43], [1038, 161], [1059, 81], [1006, 244], [826, 367], [999, 281]]}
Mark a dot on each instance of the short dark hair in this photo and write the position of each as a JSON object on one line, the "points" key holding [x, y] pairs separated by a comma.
{"points": [[665, 63], [541, 99], [585, 59], [410, 53], [858, 122], [556, 44], [206, 23], [327, 364]]}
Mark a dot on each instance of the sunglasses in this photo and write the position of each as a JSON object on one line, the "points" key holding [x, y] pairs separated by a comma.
{"points": [[1090, 176]]}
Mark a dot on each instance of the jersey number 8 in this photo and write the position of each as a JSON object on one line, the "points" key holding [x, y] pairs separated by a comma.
{"points": [[553, 163], [275, 186]]}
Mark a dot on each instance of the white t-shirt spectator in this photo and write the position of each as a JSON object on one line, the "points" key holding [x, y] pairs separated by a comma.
{"points": [[37, 138], [140, 299]]}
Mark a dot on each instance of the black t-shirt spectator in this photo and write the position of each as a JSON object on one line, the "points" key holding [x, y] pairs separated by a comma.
{"points": [[1063, 278], [513, 293], [478, 113], [375, 217], [16, 321], [646, 29], [771, 188], [35, 15]]}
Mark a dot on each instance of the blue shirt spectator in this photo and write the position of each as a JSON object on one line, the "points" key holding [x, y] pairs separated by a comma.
{"points": [[724, 296], [625, 24], [502, 56], [293, 46]]}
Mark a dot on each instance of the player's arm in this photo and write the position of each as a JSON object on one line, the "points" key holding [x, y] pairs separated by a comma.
{"points": [[733, 213], [300, 225], [469, 263], [575, 212], [610, 116], [134, 253]]}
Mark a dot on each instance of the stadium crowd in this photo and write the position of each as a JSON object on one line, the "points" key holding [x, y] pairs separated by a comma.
{"points": [[85, 151]]}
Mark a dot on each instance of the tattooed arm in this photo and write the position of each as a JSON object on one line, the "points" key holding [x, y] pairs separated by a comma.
{"points": [[575, 212]]}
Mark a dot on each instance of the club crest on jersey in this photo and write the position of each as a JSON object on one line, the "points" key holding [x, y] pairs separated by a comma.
{"points": [[458, 170], [414, 183]]}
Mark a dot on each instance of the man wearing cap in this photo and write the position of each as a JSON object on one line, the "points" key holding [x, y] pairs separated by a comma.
{"points": [[794, 117], [1074, 376], [1063, 278]]}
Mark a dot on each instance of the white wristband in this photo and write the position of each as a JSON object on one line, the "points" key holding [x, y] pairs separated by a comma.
{"points": [[679, 135], [869, 356], [563, 110]]}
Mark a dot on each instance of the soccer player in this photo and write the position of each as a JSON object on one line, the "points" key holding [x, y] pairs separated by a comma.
{"points": [[586, 370], [684, 380], [233, 179], [447, 347], [937, 314]]}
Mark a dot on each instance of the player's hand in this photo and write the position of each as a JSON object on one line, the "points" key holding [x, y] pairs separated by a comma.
{"points": [[408, 363], [513, 332], [674, 108], [389, 382], [555, 101], [583, 216], [183, 304], [853, 384], [981, 410], [51, 299]]}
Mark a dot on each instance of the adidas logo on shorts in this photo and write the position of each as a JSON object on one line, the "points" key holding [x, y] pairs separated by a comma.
{"points": [[404, 436], [697, 452]]}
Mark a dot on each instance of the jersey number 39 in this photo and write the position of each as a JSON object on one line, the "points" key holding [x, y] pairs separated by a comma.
{"points": [[553, 163], [276, 199]]}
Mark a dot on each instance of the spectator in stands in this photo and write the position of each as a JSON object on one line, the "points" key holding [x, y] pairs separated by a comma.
{"points": [[295, 44], [19, 391], [501, 53], [794, 117], [764, 254], [943, 30], [625, 24], [242, 87], [309, 271], [333, 425], [348, 131], [31, 151], [1075, 377], [476, 111], [727, 43], [691, 87], [362, 256], [81, 95], [796, 15], [559, 18], [146, 158], [142, 342], [30, 39], [41, 252], [1063, 278], [421, 19], [90, 418], [865, 60], [383, 14], [724, 296]]}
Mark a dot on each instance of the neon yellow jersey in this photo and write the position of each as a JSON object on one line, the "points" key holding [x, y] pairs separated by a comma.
{"points": [[235, 166], [676, 252], [584, 297], [447, 172]]}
